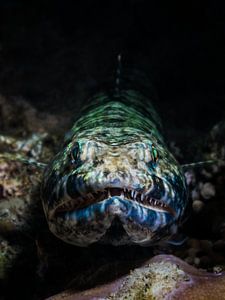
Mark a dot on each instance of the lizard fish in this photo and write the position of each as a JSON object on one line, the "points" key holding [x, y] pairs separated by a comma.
{"points": [[114, 180]]}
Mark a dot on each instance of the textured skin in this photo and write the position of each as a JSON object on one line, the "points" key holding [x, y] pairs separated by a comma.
{"points": [[114, 180]]}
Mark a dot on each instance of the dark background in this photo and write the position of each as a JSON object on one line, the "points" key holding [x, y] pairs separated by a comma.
{"points": [[52, 53]]}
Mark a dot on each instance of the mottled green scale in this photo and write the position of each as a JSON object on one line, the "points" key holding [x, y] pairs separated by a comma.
{"points": [[125, 111]]}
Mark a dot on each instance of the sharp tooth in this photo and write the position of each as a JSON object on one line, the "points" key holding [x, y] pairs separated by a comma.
{"points": [[109, 195], [132, 193], [142, 197], [122, 195]]}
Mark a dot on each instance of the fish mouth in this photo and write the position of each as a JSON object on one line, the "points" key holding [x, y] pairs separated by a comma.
{"points": [[125, 194]]}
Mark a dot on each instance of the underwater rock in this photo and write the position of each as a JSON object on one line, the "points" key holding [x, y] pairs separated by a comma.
{"points": [[19, 183], [208, 190], [162, 277], [197, 205], [17, 187], [8, 253], [190, 177], [18, 117]]}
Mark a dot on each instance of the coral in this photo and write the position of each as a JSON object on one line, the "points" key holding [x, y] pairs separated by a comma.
{"points": [[163, 277]]}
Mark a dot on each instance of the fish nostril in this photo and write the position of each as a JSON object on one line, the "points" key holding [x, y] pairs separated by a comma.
{"points": [[115, 181]]}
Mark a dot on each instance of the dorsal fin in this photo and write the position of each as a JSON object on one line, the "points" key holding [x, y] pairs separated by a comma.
{"points": [[118, 73]]}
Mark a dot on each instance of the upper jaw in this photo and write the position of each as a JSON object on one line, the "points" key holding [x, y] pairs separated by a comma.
{"points": [[125, 193]]}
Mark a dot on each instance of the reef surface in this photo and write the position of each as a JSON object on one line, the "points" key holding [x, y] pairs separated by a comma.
{"points": [[162, 277]]}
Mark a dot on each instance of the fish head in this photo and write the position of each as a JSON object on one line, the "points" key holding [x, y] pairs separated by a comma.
{"points": [[119, 191]]}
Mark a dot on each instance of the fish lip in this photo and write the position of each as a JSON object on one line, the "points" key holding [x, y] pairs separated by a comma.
{"points": [[153, 204]]}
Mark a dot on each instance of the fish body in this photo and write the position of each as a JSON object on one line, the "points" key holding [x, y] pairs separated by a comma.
{"points": [[114, 180]]}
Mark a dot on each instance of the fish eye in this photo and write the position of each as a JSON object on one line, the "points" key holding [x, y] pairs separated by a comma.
{"points": [[75, 152], [155, 154]]}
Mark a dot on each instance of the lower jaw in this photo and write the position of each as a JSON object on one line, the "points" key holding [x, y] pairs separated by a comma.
{"points": [[96, 223]]}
